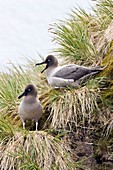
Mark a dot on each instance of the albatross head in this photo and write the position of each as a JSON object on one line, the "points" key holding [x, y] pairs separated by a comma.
{"points": [[49, 61], [29, 90]]}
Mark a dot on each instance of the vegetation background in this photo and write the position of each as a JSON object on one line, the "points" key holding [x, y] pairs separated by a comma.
{"points": [[76, 129]]}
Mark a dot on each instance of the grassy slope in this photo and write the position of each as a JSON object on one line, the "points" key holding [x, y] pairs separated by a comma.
{"points": [[72, 117]]}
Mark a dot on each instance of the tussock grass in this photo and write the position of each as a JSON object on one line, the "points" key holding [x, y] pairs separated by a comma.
{"points": [[75, 109], [71, 108], [6, 131], [108, 126], [104, 12], [74, 43], [72, 36], [35, 150], [84, 38]]}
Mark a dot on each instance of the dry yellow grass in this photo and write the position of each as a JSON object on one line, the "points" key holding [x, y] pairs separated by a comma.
{"points": [[35, 150]]}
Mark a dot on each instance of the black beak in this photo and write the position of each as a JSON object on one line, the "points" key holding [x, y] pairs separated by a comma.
{"points": [[41, 64], [23, 94]]}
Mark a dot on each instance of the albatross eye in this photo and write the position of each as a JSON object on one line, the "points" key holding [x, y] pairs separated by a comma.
{"points": [[48, 60], [29, 89]]}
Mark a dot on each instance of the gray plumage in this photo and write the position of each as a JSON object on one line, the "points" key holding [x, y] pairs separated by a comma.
{"points": [[30, 107], [75, 72], [68, 75]]}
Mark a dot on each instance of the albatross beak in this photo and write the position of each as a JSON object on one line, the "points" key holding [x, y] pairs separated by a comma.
{"points": [[23, 94], [41, 64]]}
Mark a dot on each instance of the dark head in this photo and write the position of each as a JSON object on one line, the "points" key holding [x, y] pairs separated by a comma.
{"points": [[49, 61], [29, 90]]}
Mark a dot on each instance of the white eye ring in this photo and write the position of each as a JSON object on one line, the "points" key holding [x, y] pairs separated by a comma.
{"points": [[29, 89], [48, 60]]}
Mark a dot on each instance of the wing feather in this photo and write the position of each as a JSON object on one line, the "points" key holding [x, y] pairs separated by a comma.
{"points": [[72, 72]]}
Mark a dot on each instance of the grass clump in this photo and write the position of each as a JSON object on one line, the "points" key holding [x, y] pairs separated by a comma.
{"points": [[84, 38], [35, 150], [64, 113], [104, 12], [73, 40], [6, 131]]}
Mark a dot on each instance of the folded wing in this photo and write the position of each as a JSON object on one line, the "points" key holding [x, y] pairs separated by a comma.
{"points": [[75, 72]]}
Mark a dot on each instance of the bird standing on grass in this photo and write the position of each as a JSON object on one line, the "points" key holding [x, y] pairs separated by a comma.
{"points": [[30, 107], [68, 75]]}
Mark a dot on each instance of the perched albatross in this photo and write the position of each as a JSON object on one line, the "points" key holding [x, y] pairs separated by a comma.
{"points": [[67, 75], [30, 107]]}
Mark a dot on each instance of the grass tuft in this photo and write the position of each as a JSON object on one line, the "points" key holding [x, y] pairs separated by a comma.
{"points": [[6, 131], [71, 108], [36, 150]]}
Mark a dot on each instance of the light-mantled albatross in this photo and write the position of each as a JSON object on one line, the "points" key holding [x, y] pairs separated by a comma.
{"points": [[30, 107], [67, 75]]}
